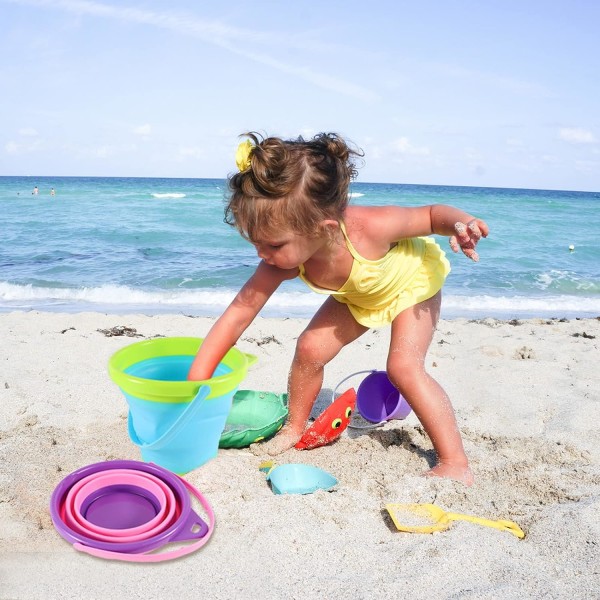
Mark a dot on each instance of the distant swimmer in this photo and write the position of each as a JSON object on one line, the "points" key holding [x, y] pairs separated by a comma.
{"points": [[35, 191], [52, 192]]}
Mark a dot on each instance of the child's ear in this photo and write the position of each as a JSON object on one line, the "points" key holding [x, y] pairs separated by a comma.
{"points": [[329, 226]]}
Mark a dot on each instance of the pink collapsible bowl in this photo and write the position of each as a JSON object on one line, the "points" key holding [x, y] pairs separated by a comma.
{"points": [[123, 510]]}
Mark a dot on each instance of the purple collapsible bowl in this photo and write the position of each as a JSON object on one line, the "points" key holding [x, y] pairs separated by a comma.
{"points": [[128, 511], [186, 525]]}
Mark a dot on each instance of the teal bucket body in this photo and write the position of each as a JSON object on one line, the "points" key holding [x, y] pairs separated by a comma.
{"points": [[150, 419], [176, 423]]}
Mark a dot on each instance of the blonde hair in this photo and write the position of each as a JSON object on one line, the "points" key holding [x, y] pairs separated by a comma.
{"points": [[291, 184]]}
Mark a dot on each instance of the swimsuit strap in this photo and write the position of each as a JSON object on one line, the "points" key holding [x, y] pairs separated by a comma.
{"points": [[349, 245]]}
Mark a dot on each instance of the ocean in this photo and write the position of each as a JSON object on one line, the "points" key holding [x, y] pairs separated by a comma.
{"points": [[121, 245]]}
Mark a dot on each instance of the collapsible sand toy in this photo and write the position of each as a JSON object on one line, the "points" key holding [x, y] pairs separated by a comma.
{"points": [[124, 510], [176, 423]]}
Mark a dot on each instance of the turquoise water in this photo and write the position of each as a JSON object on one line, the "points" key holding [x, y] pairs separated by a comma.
{"points": [[160, 245]]}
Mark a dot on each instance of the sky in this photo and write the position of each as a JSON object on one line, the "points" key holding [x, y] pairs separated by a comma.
{"points": [[494, 93]]}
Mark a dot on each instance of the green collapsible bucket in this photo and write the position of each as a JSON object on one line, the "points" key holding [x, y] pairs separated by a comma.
{"points": [[175, 422]]}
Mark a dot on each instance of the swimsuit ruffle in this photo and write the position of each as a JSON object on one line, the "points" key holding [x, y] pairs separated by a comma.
{"points": [[424, 283]]}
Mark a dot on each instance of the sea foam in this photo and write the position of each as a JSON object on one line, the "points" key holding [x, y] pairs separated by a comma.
{"points": [[115, 298]]}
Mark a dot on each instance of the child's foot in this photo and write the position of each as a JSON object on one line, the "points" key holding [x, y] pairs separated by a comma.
{"points": [[283, 441], [460, 473]]}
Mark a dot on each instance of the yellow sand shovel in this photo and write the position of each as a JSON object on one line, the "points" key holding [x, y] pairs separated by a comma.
{"points": [[429, 518]]}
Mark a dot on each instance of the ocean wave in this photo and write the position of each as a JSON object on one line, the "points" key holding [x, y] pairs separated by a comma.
{"points": [[521, 305], [169, 195], [355, 195], [564, 281], [115, 297], [295, 304]]}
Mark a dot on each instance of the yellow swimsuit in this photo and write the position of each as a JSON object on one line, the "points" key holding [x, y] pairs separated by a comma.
{"points": [[377, 291]]}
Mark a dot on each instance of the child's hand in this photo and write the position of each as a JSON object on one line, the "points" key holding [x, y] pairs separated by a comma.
{"points": [[467, 236]]}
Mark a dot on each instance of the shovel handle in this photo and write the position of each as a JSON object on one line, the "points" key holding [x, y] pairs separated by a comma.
{"points": [[502, 524]]}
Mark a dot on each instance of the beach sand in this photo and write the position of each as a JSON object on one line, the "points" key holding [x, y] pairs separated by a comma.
{"points": [[527, 398]]}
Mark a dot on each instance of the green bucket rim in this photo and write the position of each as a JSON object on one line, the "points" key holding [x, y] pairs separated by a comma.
{"points": [[174, 392]]}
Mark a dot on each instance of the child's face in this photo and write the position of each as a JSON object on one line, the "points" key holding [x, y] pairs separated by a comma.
{"points": [[286, 249]]}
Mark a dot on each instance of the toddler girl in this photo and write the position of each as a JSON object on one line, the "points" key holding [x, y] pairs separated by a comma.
{"points": [[290, 200]]}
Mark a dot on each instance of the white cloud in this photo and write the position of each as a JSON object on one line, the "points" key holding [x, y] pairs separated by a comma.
{"points": [[403, 146], [16, 148], [576, 135], [28, 132], [143, 130]]}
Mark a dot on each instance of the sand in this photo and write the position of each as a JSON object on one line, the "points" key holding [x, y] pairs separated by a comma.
{"points": [[527, 398]]}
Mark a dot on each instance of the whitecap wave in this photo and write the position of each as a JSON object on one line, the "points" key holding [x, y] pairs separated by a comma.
{"points": [[294, 304], [169, 195], [506, 306], [355, 195], [113, 298]]}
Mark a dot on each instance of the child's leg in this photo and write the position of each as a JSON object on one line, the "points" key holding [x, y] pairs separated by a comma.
{"points": [[412, 332], [332, 328]]}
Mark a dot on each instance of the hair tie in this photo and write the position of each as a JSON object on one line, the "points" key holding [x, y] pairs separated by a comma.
{"points": [[243, 155]]}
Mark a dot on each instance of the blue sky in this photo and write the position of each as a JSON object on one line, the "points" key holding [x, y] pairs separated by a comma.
{"points": [[480, 93]]}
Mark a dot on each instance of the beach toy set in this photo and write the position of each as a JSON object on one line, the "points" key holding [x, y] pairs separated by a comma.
{"points": [[129, 510], [125, 510]]}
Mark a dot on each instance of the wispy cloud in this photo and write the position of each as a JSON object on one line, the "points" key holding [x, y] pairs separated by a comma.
{"points": [[143, 130], [404, 146], [28, 132], [233, 39], [17, 148], [576, 135]]}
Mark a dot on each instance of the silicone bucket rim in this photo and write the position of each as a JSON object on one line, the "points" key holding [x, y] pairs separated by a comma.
{"points": [[155, 390]]}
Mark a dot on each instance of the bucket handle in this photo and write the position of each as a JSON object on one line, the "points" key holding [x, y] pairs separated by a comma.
{"points": [[346, 379], [153, 558], [187, 414]]}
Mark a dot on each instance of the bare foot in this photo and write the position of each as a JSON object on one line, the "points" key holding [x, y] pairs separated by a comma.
{"points": [[460, 473], [283, 441]]}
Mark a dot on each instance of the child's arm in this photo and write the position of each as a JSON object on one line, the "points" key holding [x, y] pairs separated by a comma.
{"points": [[236, 318], [464, 229], [393, 223]]}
